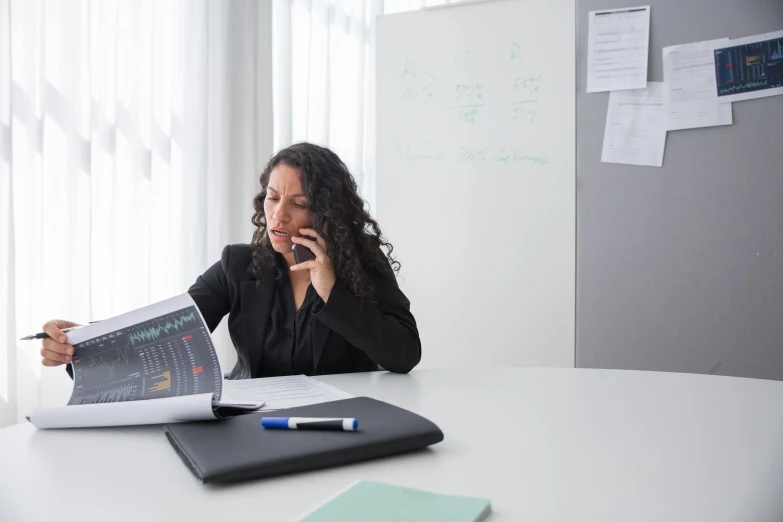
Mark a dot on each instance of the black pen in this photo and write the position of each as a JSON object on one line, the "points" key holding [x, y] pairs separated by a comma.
{"points": [[44, 335]]}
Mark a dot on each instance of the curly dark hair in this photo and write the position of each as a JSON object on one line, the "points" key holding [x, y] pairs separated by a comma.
{"points": [[353, 238]]}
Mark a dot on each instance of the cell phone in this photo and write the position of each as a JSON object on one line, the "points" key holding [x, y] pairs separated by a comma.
{"points": [[302, 253]]}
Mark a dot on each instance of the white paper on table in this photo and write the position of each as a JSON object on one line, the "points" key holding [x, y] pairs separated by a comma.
{"points": [[185, 408], [617, 49], [635, 131], [754, 60], [691, 95], [281, 392]]}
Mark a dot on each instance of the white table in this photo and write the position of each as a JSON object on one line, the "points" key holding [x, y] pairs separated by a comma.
{"points": [[543, 444]]}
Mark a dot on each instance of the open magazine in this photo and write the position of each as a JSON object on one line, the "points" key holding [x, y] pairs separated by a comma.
{"points": [[153, 365]]}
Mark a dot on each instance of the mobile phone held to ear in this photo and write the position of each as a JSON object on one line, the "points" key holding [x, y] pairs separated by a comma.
{"points": [[302, 253]]}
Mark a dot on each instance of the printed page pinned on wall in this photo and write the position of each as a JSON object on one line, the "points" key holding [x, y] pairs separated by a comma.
{"points": [[636, 126], [689, 76], [750, 68], [618, 46]]}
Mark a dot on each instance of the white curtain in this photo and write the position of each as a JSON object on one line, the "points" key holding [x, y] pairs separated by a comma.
{"points": [[131, 136], [324, 77]]}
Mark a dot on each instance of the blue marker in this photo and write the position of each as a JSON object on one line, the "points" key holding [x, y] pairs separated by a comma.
{"points": [[309, 423]]}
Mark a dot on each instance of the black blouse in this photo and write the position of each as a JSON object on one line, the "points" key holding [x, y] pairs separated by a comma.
{"points": [[347, 334], [288, 347]]}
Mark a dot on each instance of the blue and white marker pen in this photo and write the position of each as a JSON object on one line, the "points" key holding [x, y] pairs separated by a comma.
{"points": [[309, 423]]}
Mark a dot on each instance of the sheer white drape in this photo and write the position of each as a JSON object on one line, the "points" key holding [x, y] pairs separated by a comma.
{"points": [[131, 136], [324, 79]]}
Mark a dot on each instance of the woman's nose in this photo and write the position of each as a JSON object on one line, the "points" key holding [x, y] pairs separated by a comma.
{"points": [[280, 215]]}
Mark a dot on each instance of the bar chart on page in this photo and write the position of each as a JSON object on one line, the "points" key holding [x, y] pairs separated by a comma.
{"points": [[750, 67], [169, 356]]}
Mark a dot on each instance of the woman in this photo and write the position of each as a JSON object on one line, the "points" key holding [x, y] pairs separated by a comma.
{"points": [[340, 312]]}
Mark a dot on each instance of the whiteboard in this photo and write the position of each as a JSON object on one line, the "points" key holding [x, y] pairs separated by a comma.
{"points": [[476, 177]]}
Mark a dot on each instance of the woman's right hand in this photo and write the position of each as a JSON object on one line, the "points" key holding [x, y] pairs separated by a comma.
{"points": [[56, 350]]}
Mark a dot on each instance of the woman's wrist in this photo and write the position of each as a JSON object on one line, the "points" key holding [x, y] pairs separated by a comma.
{"points": [[326, 293]]}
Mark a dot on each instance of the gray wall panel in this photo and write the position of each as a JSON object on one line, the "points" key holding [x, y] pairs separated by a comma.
{"points": [[680, 268]]}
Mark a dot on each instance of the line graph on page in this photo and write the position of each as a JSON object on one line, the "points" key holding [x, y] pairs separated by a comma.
{"points": [[163, 357]]}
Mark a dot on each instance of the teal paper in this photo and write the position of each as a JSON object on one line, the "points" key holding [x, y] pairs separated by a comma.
{"points": [[380, 502]]}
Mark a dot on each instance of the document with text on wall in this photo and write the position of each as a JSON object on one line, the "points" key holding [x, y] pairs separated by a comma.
{"points": [[153, 365], [689, 76], [635, 131], [618, 49]]}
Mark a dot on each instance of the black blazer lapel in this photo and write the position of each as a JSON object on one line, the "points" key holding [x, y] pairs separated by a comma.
{"points": [[256, 306]]}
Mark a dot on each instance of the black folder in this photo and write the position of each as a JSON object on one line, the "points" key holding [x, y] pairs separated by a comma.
{"points": [[239, 448]]}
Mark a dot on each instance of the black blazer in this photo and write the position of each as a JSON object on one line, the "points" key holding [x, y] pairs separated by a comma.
{"points": [[350, 335]]}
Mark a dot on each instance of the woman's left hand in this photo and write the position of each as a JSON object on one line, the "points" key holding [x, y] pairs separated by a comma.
{"points": [[321, 272]]}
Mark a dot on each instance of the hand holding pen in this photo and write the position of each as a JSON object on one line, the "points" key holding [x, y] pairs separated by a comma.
{"points": [[55, 349]]}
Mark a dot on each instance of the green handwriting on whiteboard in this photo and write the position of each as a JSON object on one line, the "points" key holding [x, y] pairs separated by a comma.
{"points": [[470, 92], [467, 113], [427, 152], [515, 52], [526, 89], [526, 84], [523, 111], [513, 156], [472, 155], [414, 83]]}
